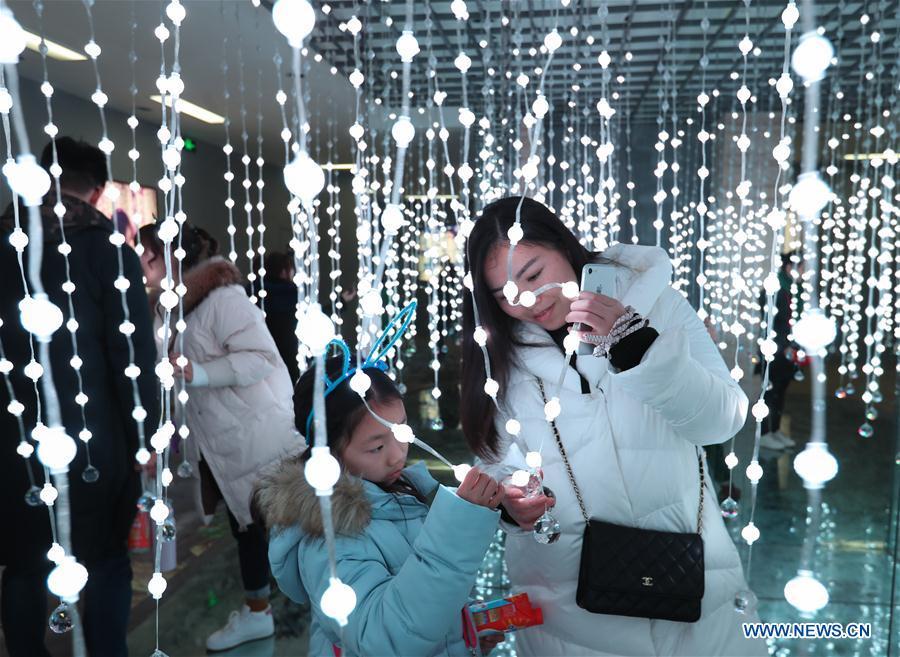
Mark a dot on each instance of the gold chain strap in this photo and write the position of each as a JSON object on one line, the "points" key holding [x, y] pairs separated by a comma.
{"points": [[565, 457]]}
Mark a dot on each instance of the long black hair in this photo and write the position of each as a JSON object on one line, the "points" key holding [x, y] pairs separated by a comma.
{"points": [[540, 227]]}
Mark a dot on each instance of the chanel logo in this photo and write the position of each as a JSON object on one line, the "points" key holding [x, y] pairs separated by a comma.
{"points": [[647, 581]]}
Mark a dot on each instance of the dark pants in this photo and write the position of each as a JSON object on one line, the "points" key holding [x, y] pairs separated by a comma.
{"points": [[253, 547], [781, 373], [253, 558], [106, 608]]}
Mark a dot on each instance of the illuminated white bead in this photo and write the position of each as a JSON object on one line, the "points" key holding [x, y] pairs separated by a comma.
{"points": [[92, 49], [18, 239], [515, 233], [56, 449], [806, 593], [552, 409], [157, 586], [552, 41], [48, 494], [27, 179], [295, 19], [750, 533], [812, 56], [760, 410], [12, 37], [40, 316], [159, 512], [33, 370], [790, 15], [480, 336], [815, 330], [815, 465], [316, 330], [407, 46], [338, 601], [460, 471], [731, 461], [533, 459], [520, 478], [360, 382], [403, 131], [462, 62], [513, 427], [392, 219], [56, 553], [754, 472], [527, 299], [303, 177], [403, 433], [491, 387], [67, 579], [510, 290]]}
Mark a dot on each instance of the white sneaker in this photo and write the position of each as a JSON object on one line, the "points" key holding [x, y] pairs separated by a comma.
{"points": [[242, 626], [786, 440], [770, 441]]}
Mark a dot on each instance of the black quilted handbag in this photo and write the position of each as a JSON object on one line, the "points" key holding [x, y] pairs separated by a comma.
{"points": [[626, 571]]}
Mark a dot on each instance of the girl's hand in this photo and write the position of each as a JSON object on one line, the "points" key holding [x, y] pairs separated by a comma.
{"points": [[488, 643], [480, 489], [187, 372], [525, 510], [596, 312]]}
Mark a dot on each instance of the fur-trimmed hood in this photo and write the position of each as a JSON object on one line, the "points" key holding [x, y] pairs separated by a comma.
{"points": [[206, 277], [283, 498]]}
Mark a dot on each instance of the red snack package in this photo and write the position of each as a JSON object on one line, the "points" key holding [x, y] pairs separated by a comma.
{"points": [[504, 615]]}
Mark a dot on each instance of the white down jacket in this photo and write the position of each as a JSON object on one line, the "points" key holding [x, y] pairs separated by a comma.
{"points": [[632, 445], [240, 427]]}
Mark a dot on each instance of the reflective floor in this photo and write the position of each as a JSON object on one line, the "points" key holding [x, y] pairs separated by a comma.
{"points": [[853, 552]]}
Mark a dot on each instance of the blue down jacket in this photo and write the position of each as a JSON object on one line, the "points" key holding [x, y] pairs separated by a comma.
{"points": [[412, 567]]}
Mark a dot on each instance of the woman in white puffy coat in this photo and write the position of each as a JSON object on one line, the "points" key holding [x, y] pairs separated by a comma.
{"points": [[240, 412], [631, 424]]}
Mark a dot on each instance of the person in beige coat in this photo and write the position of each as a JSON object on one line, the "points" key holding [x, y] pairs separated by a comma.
{"points": [[240, 409]]}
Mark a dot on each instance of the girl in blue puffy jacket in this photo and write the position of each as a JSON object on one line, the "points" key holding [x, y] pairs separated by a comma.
{"points": [[409, 547]]}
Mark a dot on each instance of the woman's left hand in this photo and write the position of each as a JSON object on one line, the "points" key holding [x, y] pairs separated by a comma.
{"points": [[489, 642], [187, 372], [596, 312]]}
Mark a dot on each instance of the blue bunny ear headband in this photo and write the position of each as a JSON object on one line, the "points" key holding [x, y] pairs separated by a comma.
{"points": [[376, 357]]}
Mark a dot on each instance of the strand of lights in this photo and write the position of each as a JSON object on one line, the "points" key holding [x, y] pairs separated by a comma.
{"points": [[776, 221], [703, 170], [117, 239], [90, 474], [304, 178], [260, 204], [41, 318], [19, 240], [228, 149]]}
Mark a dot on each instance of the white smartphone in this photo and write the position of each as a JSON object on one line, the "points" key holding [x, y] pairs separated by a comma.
{"points": [[599, 279]]}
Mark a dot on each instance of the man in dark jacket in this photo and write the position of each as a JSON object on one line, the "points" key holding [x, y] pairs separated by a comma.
{"points": [[281, 307], [103, 510], [782, 368]]}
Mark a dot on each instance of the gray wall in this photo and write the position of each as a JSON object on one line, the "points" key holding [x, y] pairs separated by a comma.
{"points": [[205, 189]]}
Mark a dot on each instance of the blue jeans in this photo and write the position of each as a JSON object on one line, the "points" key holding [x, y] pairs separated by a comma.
{"points": [[107, 608]]}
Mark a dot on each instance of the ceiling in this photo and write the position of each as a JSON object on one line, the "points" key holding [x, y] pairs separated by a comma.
{"points": [[641, 28], [212, 32], [234, 31]]}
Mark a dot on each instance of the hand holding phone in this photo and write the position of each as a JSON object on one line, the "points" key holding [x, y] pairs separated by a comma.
{"points": [[599, 279]]}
